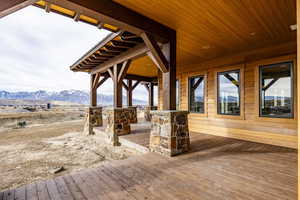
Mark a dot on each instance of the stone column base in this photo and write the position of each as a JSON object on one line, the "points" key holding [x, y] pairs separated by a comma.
{"points": [[93, 119], [147, 114], [132, 114], [117, 124], [169, 132]]}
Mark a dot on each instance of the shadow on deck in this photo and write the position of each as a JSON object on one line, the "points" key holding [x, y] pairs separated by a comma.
{"points": [[215, 168]]}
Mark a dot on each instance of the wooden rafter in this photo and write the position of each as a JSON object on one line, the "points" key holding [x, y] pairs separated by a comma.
{"points": [[117, 15], [155, 52], [76, 17], [99, 45], [9, 6], [132, 53]]}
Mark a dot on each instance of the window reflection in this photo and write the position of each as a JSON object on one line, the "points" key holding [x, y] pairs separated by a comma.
{"points": [[196, 85], [276, 90], [229, 93], [177, 94]]}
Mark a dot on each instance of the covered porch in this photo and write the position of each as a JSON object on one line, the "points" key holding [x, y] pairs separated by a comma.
{"points": [[234, 137], [216, 168]]}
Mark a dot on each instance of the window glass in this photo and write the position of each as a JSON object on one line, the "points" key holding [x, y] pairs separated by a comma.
{"points": [[229, 93], [276, 96], [196, 99]]}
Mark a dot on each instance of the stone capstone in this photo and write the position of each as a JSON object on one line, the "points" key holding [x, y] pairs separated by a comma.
{"points": [[169, 132]]}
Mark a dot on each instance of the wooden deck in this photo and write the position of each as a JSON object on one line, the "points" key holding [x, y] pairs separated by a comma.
{"points": [[216, 168]]}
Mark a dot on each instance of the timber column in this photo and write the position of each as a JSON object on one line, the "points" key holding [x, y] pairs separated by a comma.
{"points": [[169, 128]]}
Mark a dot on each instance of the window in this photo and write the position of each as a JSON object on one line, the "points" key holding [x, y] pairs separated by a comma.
{"points": [[177, 94], [276, 90], [229, 92], [196, 88]]}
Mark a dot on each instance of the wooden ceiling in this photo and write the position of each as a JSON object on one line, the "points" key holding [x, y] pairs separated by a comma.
{"points": [[215, 28]]}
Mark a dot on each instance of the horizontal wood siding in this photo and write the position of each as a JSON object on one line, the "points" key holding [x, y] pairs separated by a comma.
{"points": [[251, 127]]}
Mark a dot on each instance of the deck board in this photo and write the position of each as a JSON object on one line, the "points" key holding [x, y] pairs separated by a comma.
{"points": [[216, 168]]}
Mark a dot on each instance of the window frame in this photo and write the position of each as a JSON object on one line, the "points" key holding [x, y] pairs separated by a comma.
{"points": [[178, 100], [204, 93], [291, 66], [218, 91], [240, 67]]}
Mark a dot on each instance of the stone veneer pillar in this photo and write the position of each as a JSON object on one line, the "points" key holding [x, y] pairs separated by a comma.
{"points": [[147, 114], [169, 132], [93, 119], [117, 124], [132, 114]]}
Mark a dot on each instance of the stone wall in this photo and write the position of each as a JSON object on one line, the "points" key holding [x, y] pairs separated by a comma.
{"points": [[95, 114], [147, 114], [117, 123], [132, 114], [169, 132], [93, 119]]}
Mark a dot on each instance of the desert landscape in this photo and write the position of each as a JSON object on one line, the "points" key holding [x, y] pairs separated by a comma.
{"points": [[45, 143]]}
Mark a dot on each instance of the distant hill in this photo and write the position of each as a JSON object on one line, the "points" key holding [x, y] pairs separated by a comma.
{"points": [[73, 96]]}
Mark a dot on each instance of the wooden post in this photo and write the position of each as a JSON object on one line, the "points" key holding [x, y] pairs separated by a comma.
{"points": [[93, 91], [298, 88], [169, 78], [129, 93], [117, 87], [151, 94]]}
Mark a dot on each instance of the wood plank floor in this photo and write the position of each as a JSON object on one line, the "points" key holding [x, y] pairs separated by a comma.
{"points": [[140, 134], [216, 168]]}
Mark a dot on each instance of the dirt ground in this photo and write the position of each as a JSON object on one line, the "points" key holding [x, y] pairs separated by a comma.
{"points": [[32, 153]]}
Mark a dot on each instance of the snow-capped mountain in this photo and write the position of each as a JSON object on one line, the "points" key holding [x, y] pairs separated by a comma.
{"points": [[74, 96]]}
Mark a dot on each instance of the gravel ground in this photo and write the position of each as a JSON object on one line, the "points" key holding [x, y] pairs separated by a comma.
{"points": [[31, 154]]}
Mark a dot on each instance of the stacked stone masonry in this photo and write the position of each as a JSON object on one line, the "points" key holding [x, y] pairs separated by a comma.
{"points": [[147, 114], [93, 119], [169, 132], [118, 124], [132, 114]]}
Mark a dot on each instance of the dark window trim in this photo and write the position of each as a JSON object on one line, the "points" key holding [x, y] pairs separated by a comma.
{"points": [[218, 91], [178, 91], [291, 66], [204, 93]]}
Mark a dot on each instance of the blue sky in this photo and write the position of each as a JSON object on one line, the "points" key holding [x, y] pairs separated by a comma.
{"points": [[37, 48]]}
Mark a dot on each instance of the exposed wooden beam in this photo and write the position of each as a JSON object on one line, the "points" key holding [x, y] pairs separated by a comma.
{"points": [[156, 54], [129, 93], [125, 85], [102, 81], [132, 53], [111, 74], [96, 47], [96, 80], [9, 6], [135, 84], [117, 15], [48, 7], [123, 70], [76, 17]]}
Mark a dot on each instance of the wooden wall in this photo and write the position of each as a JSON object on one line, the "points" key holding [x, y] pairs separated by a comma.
{"points": [[248, 126]]}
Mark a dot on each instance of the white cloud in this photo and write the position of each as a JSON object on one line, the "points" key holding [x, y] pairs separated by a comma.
{"points": [[37, 48]]}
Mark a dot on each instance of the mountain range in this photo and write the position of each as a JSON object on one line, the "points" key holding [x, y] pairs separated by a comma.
{"points": [[73, 96]]}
